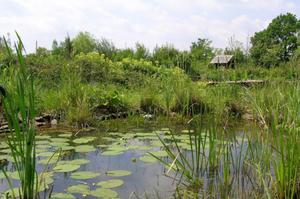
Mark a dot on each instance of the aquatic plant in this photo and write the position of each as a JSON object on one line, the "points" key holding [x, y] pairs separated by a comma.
{"points": [[19, 106]]}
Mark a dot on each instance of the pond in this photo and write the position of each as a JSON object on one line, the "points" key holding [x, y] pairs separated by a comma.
{"points": [[111, 164]]}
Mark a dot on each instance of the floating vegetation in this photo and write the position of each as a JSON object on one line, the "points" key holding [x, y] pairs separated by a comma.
{"points": [[84, 148], [42, 137], [65, 135], [118, 173], [3, 145], [80, 189], [59, 144], [62, 196], [75, 162], [84, 175], [53, 140], [84, 140], [159, 153], [104, 193], [65, 168], [109, 184], [148, 159]]}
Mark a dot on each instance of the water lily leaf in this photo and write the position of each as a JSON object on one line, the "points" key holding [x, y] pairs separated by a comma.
{"points": [[42, 142], [65, 135], [40, 150], [110, 183], [109, 139], [47, 154], [84, 149], [7, 151], [59, 144], [160, 153], [67, 148], [49, 160], [148, 159], [118, 173], [84, 175], [76, 162], [62, 196], [3, 145], [104, 193], [59, 140], [84, 140], [42, 137], [64, 168], [80, 188]]}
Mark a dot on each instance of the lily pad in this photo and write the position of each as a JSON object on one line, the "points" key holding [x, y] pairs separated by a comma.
{"points": [[84, 140], [84, 175], [47, 154], [59, 140], [148, 159], [42, 142], [65, 135], [62, 196], [49, 160], [160, 153], [111, 183], [75, 162], [118, 173], [80, 188], [85, 149], [59, 144], [104, 193], [7, 151], [66, 168], [41, 137], [67, 148], [3, 145]]}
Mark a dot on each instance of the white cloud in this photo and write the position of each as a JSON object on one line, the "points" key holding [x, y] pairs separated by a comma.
{"points": [[149, 21]]}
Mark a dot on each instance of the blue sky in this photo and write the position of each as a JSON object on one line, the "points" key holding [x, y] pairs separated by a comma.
{"points": [[148, 21]]}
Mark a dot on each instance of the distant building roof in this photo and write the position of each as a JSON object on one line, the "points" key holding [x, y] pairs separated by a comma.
{"points": [[221, 59]]}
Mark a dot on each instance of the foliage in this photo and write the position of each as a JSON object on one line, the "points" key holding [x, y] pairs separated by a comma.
{"points": [[277, 43], [84, 42], [19, 104]]}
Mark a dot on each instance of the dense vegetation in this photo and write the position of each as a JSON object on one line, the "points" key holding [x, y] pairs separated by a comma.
{"points": [[82, 78]]}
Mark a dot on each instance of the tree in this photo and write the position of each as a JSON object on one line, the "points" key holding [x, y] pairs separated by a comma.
{"points": [[201, 50], [277, 43], [84, 42]]}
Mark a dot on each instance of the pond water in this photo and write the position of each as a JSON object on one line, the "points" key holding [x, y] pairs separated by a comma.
{"points": [[117, 164]]}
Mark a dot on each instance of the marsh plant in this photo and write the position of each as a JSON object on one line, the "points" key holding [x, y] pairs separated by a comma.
{"points": [[19, 107]]}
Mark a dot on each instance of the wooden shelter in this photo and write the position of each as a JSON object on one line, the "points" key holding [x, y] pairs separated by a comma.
{"points": [[223, 61]]}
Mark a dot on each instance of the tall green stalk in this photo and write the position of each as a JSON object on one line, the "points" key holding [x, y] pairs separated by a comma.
{"points": [[19, 107]]}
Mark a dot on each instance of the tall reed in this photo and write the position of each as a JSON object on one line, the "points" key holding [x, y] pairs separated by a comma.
{"points": [[19, 107]]}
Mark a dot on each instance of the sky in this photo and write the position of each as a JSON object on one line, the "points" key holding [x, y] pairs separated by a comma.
{"points": [[152, 22]]}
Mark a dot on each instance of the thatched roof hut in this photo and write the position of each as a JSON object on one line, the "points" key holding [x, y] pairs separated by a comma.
{"points": [[223, 60]]}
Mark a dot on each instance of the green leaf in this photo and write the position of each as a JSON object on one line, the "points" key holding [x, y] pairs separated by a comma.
{"points": [[111, 183], [84, 175], [118, 173], [104, 193], [66, 168]]}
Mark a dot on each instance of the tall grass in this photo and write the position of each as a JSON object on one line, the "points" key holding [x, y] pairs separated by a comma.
{"points": [[19, 107]]}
